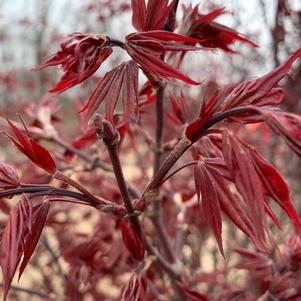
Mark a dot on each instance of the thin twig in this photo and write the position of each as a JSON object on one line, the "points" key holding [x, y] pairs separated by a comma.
{"points": [[187, 164], [30, 291], [53, 255]]}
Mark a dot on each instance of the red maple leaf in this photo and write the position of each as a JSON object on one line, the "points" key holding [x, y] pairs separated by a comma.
{"points": [[31, 149], [146, 48], [80, 56]]}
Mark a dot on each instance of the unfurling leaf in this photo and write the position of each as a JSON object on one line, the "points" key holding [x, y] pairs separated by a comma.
{"points": [[275, 186], [246, 179], [264, 180], [212, 183], [194, 130], [180, 110], [123, 78], [150, 17], [18, 225], [39, 218], [256, 263], [146, 48], [261, 91], [135, 289], [210, 33], [132, 239], [20, 238], [80, 56], [8, 177], [287, 125], [210, 202], [31, 149]]}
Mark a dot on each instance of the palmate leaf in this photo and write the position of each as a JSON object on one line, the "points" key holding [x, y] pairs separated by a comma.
{"points": [[12, 241], [194, 129], [20, 237], [145, 48], [275, 186], [246, 179], [261, 91], [179, 113], [287, 125], [31, 149], [255, 177], [211, 33], [80, 56], [255, 262], [204, 184], [8, 176], [135, 289], [132, 239], [211, 182], [121, 81], [150, 17], [39, 218]]}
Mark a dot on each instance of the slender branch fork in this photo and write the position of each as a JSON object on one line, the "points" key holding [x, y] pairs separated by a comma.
{"points": [[184, 144], [113, 152]]}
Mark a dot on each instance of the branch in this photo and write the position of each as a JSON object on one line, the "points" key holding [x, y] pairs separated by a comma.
{"points": [[30, 292], [102, 204], [184, 144]]}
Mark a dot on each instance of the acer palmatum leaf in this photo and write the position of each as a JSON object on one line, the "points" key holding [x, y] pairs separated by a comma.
{"points": [[231, 204], [146, 48], [135, 289], [132, 239], [180, 111], [256, 263], [287, 125], [272, 182], [31, 149], [205, 187], [275, 186], [8, 176], [194, 129], [245, 178], [150, 17], [39, 218], [210, 33], [261, 91], [121, 80], [12, 242], [80, 56], [217, 189]]}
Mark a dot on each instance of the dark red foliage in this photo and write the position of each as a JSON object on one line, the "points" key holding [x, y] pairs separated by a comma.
{"points": [[80, 56], [123, 79], [8, 176], [20, 238], [179, 113], [31, 149], [135, 289], [208, 108], [153, 16], [136, 197], [146, 48], [261, 91], [192, 295], [287, 125], [132, 239], [211, 33]]}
